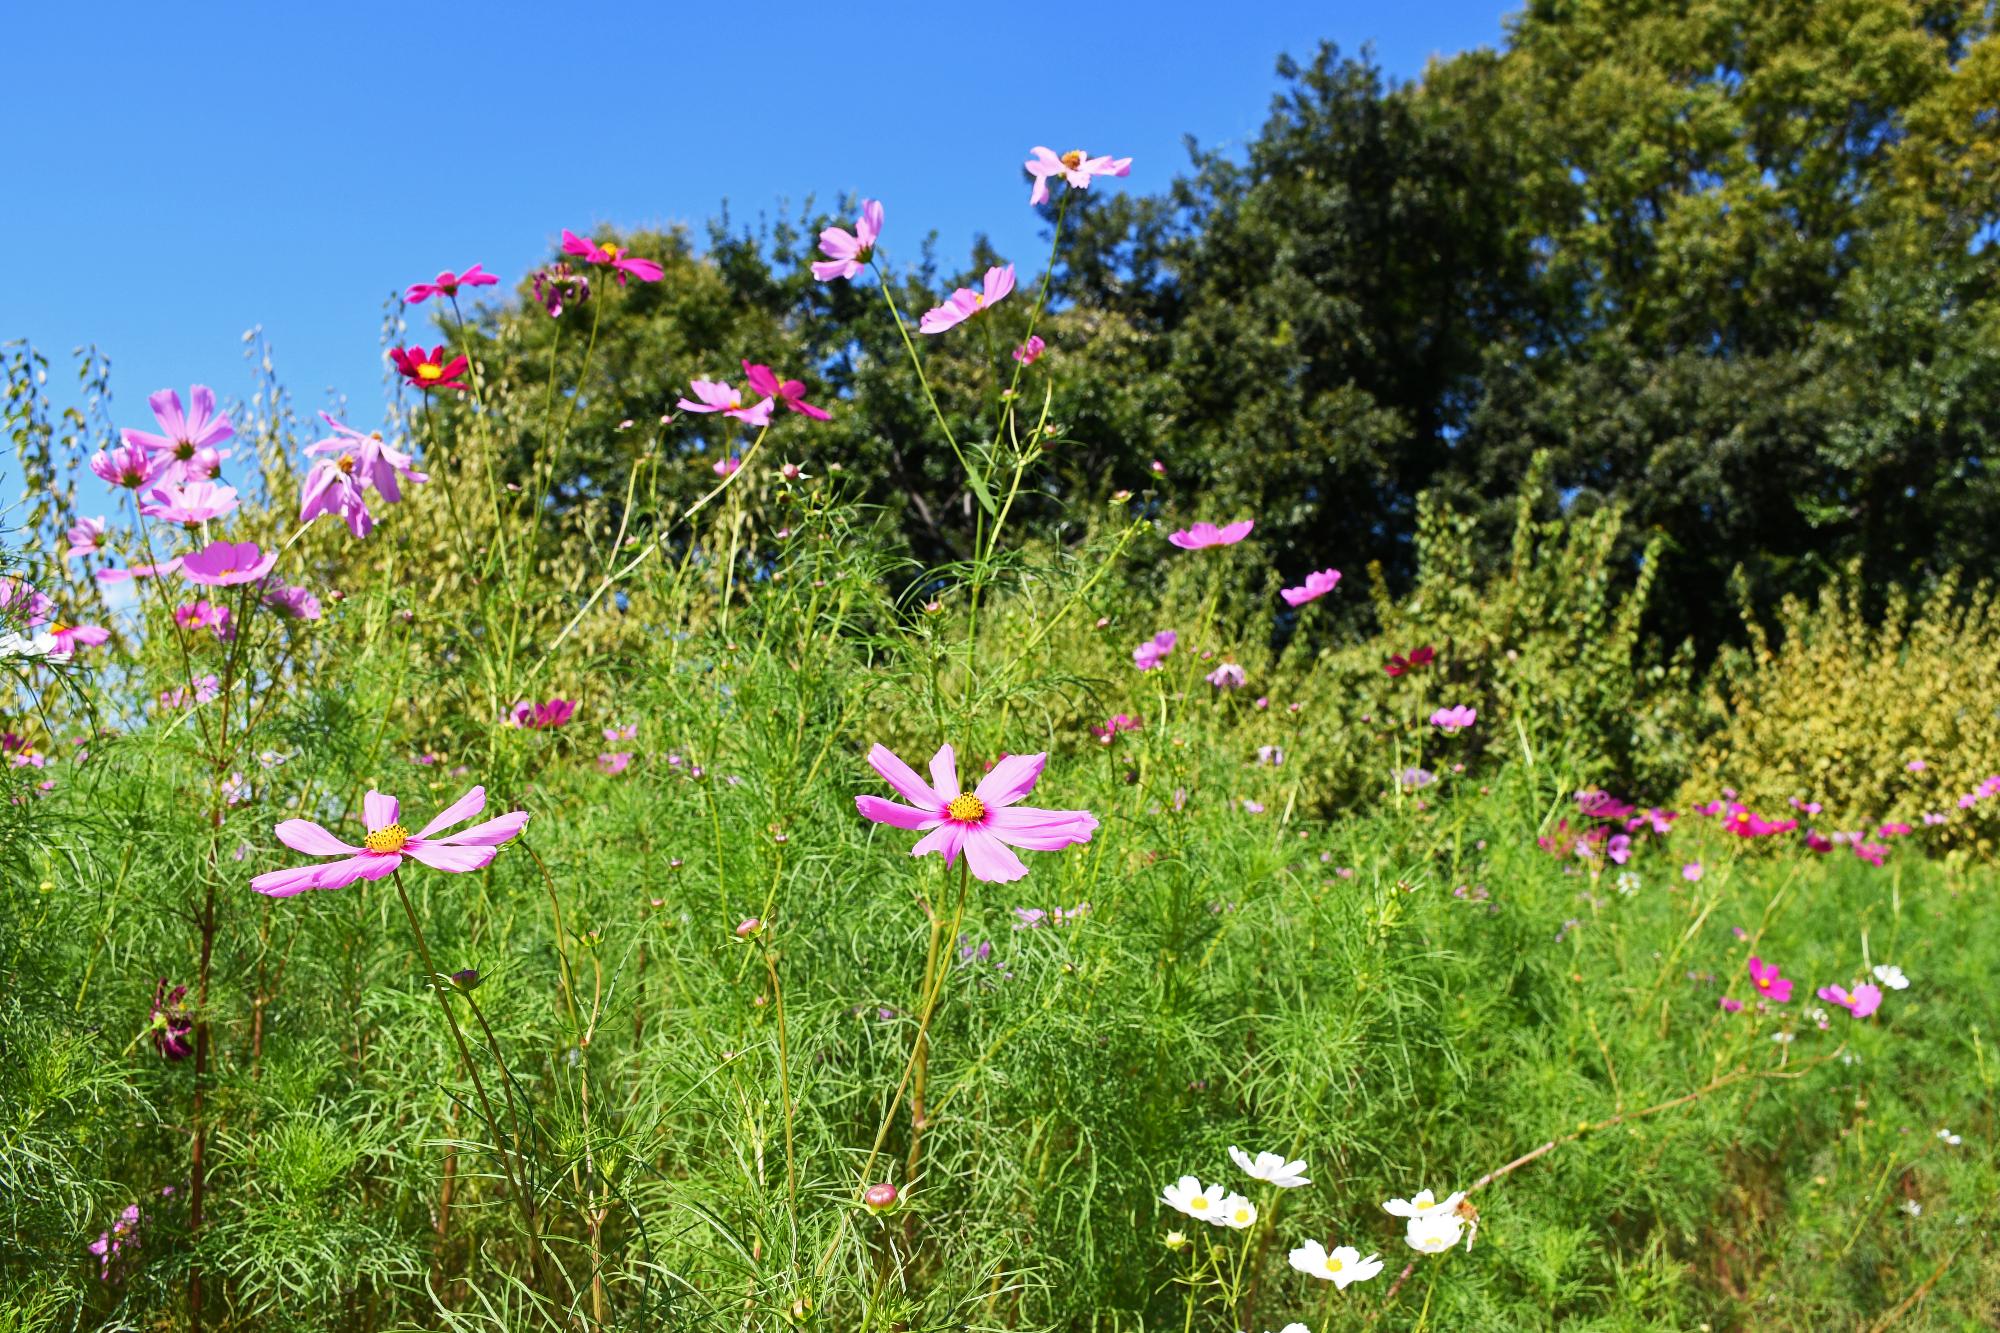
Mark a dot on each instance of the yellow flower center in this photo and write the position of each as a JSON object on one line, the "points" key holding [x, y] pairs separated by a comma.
{"points": [[1199, 1201], [429, 370], [1073, 158], [389, 838], [1334, 1265], [346, 463], [610, 250], [969, 809]]}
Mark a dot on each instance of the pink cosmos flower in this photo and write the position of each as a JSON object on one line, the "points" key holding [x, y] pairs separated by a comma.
{"points": [[221, 564], [1691, 872], [624, 733], [540, 717], [86, 537], [1228, 676], [1114, 724], [848, 253], [984, 823], [718, 396], [194, 502], [205, 689], [1770, 983], [182, 434], [1203, 535], [139, 571], [1862, 1001], [71, 637], [447, 285], [1075, 167], [204, 615], [375, 462], [1874, 853], [132, 466], [1317, 585], [387, 843], [724, 467], [765, 382], [614, 764], [1030, 351], [24, 605], [610, 252], [1451, 721], [1155, 650], [1730, 1006], [964, 303], [331, 487]]}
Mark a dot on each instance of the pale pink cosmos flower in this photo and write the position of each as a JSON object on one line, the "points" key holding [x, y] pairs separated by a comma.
{"points": [[1228, 676], [1318, 584], [387, 843], [614, 764], [139, 571], [1203, 535], [1691, 872], [182, 434], [331, 487], [1030, 351], [964, 303], [1076, 168], [792, 393], [131, 466], [847, 253], [86, 537], [194, 502], [68, 638], [447, 285], [1153, 651], [985, 823], [221, 564], [375, 462], [204, 615], [724, 467], [1862, 1001], [1451, 721], [719, 396], [610, 252]]}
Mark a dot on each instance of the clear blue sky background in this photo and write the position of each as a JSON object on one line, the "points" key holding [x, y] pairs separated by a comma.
{"points": [[176, 174]]}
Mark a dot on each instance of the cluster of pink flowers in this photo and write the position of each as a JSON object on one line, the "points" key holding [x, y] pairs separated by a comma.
{"points": [[1111, 726], [1772, 986]]}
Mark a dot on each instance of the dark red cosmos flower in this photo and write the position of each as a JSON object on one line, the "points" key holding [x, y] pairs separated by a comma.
{"points": [[1418, 659], [429, 370], [171, 1022]]}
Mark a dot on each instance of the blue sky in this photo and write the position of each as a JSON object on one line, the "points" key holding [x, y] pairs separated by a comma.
{"points": [[176, 177]]}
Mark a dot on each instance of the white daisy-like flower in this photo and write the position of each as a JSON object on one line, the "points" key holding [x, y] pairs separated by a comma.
{"points": [[1891, 976], [1435, 1232], [1269, 1166], [1628, 883], [1913, 1208], [1782, 1038], [1949, 1137], [1295, 1328], [1340, 1266], [1236, 1213], [1188, 1195], [1422, 1203]]}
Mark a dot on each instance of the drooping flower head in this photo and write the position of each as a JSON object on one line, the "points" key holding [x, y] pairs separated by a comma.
{"points": [[447, 284], [221, 564], [558, 285], [183, 435], [387, 844], [964, 303], [1318, 584], [847, 253], [429, 370], [375, 462], [170, 1023], [1076, 168], [1270, 1166], [613, 254], [1451, 721], [984, 823], [190, 504], [1203, 535], [291, 602], [86, 537], [1769, 981], [765, 383], [719, 396], [132, 466], [332, 487], [1155, 650]]}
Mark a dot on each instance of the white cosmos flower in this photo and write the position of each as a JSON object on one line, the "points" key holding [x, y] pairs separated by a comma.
{"points": [[1424, 1203], [1949, 1137], [1340, 1267], [1435, 1232], [1269, 1166], [1237, 1213], [1188, 1195], [1891, 976]]}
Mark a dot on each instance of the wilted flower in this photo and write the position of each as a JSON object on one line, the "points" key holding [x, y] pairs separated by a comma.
{"points": [[984, 823], [171, 1024], [1274, 755], [387, 843], [1269, 1166], [847, 253], [1318, 584], [964, 303], [613, 254], [1203, 535], [558, 285]]}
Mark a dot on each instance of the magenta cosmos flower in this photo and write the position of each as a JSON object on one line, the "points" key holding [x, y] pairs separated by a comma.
{"points": [[131, 466], [1451, 721], [1203, 535], [764, 382], [184, 434], [220, 564], [387, 843], [984, 823], [1317, 585], [1030, 351], [68, 638], [1862, 1001], [847, 253], [612, 253], [1076, 168], [429, 370], [964, 303], [195, 502], [447, 284], [1770, 984], [718, 396]]}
